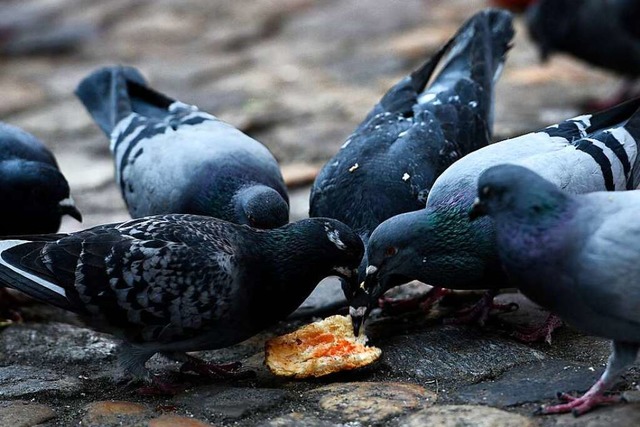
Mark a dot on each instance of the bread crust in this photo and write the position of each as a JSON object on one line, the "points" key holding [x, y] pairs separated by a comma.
{"points": [[319, 349]]}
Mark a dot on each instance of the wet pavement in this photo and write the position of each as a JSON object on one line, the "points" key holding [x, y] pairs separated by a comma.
{"points": [[297, 75]]}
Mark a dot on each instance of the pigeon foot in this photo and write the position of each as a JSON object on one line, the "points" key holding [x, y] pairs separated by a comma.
{"points": [[539, 333], [7, 313], [423, 302], [579, 405], [217, 371], [160, 387], [479, 312]]}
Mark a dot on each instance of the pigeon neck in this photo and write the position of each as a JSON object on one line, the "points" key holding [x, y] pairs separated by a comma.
{"points": [[526, 236], [287, 275]]}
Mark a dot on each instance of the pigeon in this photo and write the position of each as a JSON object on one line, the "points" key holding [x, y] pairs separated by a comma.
{"points": [[420, 126], [576, 27], [177, 283], [439, 246], [576, 255], [171, 157], [35, 194]]}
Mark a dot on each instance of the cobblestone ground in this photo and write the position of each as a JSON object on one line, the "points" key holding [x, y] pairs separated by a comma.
{"points": [[298, 75]]}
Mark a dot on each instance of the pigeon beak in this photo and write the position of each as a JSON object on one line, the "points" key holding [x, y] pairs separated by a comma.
{"points": [[359, 309], [68, 207], [358, 317], [477, 210]]}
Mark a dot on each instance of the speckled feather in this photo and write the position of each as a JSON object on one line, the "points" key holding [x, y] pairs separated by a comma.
{"points": [[180, 282], [171, 157], [422, 124]]}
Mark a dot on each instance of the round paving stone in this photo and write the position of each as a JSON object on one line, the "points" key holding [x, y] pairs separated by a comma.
{"points": [[177, 421], [19, 413], [107, 413], [467, 416], [373, 402]]}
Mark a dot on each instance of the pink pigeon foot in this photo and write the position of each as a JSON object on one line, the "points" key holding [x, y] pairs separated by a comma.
{"points": [[538, 333], [580, 405], [479, 312], [423, 302]]}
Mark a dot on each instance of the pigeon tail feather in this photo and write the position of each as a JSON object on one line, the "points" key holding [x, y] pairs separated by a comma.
{"points": [[627, 111], [105, 95], [24, 281], [402, 96], [478, 50]]}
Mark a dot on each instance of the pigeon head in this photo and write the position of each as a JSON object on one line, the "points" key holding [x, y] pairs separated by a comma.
{"points": [[297, 257], [438, 246], [335, 245], [260, 206], [36, 196], [345, 245], [515, 190]]}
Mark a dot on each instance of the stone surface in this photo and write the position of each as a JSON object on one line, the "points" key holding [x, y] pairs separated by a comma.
{"points": [[19, 413], [57, 343], [372, 402], [451, 353], [230, 402], [297, 419], [531, 383], [114, 413], [618, 415], [21, 381], [176, 421], [466, 415]]}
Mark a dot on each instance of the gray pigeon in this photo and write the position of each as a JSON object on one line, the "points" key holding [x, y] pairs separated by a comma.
{"points": [[440, 247], [576, 255], [577, 27], [172, 158], [178, 283], [428, 120]]}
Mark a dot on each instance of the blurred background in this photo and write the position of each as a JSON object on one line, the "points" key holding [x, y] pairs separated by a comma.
{"points": [[298, 75]]}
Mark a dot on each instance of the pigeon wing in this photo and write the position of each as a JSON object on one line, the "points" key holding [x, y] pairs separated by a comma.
{"points": [[608, 260]]}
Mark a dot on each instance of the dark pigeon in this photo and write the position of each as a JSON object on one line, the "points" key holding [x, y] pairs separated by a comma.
{"points": [[428, 120], [35, 194], [178, 283], [604, 33], [172, 158], [576, 255], [439, 246]]}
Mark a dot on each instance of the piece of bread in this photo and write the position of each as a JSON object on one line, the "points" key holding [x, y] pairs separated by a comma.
{"points": [[319, 349]]}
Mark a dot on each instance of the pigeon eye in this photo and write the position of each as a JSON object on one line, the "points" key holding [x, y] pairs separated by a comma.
{"points": [[486, 190], [390, 251]]}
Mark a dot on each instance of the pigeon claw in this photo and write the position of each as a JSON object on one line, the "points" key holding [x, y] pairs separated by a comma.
{"points": [[160, 387], [479, 312], [538, 333], [578, 405]]}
